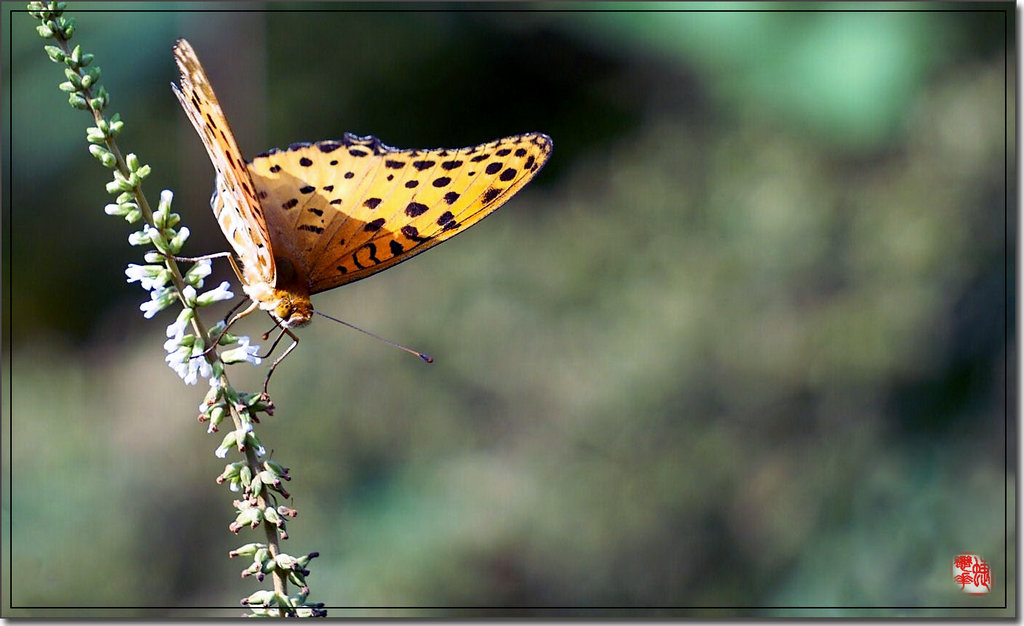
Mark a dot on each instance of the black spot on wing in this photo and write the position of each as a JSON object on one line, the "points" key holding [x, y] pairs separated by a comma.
{"points": [[327, 147], [415, 209], [412, 233]]}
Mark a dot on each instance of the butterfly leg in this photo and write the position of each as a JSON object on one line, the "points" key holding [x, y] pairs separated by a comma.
{"points": [[252, 307], [194, 259], [274, 345], [295, 342]]}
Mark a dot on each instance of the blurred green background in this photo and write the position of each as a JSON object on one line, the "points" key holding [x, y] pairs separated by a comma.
{"points": [[741, 348]]}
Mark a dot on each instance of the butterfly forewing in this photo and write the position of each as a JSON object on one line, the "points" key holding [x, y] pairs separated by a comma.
{"points": [[343, 210], [235, 204]]}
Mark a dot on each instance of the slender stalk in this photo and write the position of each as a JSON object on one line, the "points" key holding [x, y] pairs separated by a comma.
{"points": [[255, 479]]}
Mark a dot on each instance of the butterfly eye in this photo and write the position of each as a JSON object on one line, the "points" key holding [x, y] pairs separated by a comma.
{"points": [[283, 309]]}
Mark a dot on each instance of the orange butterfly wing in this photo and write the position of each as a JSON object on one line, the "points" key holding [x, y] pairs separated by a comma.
{"points": [[234, 202], [316, 216], [343, 210]]}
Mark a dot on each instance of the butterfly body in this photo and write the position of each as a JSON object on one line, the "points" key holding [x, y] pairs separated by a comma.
{"points": [[315, 216]]}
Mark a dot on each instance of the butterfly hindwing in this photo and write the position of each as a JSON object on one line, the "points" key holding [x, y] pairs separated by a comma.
{"points": [[343, 210], [234, 204]]}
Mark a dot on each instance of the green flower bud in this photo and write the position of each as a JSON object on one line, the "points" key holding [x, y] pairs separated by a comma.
{"points": [[250, 517], [104, 156], [276, 467], [95, 135], [262, 554], [78, 102], [263, 597], [67, 86], [116, 209], [132, 161], [245, 476], [270, 514], [56, 54], [297, 579], [87, 59], [248, 549], [255, 487], [178, 241], [304, 560], [269, 478], [74, 77], [44, 31], [230, 472], [226, 444], [115, 124]]}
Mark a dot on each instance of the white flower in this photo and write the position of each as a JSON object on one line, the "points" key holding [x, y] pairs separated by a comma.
{"points": [[166, 196], [198, 272], [149, 276], [177, 358], [159, 299], [187, 361], [198, 366], [222, 292], [244, 352], [177, 330], [142, 237], [189, 295]]}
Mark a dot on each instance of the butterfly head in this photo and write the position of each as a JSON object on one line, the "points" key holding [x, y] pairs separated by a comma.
{"points": [[292, 310], [290, 299]]}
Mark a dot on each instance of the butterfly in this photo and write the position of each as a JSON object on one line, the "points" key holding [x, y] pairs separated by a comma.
{"points": [[316, 216]]}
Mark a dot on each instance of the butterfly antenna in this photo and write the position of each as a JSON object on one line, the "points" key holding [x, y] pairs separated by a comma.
{"points": [[426, 357]]}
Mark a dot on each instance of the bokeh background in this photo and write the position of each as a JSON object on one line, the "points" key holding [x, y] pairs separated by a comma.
{"points": [[742, 347]]}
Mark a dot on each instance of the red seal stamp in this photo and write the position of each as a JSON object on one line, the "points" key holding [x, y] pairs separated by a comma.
{"points": [[972, 573]]}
